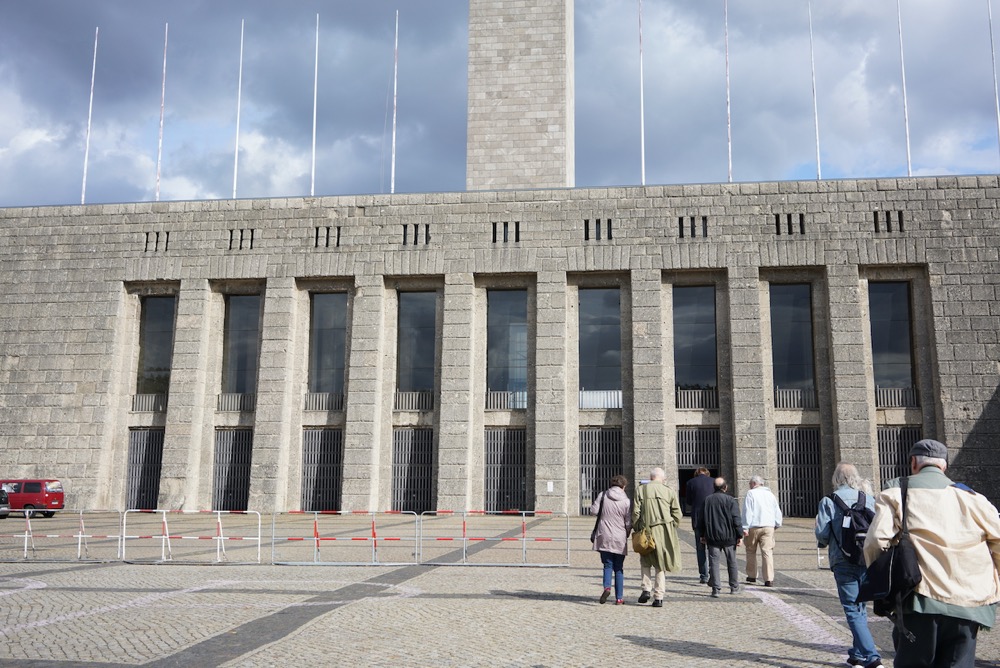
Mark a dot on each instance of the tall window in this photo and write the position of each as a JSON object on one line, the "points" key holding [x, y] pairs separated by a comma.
{"points": [[507, 341], [792, 345], [892, 352], [156, 344], [600, 339], [695, 367], [327, 342], [241, 347], [416, 340]]}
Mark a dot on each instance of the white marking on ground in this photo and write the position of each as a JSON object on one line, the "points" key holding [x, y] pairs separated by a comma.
{"points": [[799, 620]]}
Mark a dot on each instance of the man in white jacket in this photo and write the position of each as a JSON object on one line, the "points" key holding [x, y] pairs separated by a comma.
{"points": [[761, 516]]}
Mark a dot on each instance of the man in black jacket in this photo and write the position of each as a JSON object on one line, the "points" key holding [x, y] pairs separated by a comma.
{"points": [[696, 491], [722, 531]]}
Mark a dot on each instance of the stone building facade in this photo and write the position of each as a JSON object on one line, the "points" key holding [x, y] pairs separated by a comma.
{"points": [[508, 347]]}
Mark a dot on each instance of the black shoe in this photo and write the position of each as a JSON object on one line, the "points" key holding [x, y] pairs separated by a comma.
{"points": [[715, 592], [877, 663], [604, 596], [751, 579], [643, 597], [769, 583], [851, 661], [657, 603], [703, 581], [735, 590]]}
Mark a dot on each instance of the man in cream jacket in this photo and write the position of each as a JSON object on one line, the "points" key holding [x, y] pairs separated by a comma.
{"points": [[956, 535]]}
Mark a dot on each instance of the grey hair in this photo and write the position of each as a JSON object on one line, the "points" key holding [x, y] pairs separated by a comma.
{"points": [[757, 480], [846, 475], [923, 461], [656, 474]]}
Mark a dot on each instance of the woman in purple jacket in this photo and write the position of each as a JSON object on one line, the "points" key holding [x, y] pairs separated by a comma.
{"points": [[611, 533]]}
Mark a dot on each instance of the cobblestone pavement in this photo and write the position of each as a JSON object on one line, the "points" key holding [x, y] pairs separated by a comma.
{"points": [[113, 613]]}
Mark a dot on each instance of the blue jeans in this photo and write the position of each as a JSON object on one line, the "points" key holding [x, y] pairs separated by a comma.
{"points": [[849, 578], [614, 562]]}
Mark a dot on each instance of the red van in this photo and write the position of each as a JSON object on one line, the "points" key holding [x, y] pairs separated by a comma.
{"points": [[34, 496]]}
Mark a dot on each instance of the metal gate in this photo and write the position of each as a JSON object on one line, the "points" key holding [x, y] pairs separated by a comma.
{"points": [[506, 468], [600, 459], [233, 452], [698, 446], [412, 470], [322, 468], [145, 459], [800, 476], [893, 451]]}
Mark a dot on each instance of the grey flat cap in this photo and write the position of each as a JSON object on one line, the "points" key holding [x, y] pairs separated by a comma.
{"points": [[928, 447]]}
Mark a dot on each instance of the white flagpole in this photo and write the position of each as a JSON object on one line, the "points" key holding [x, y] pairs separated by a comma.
{"points": [[729, 121], [993, 53], [642, 104], [812, 62], [239, 99], [90, 115], [902, 68], [312, 183], [395, 79], [163, 100]]}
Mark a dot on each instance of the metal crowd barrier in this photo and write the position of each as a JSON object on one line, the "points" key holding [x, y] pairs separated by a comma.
{"points": [[345, 538], [153, 541], [69, 535], [515, 538]]}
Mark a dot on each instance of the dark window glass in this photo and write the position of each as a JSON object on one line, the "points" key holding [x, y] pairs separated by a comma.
{"points": [[600, 339], [241, 347], [416, 339], [156, 345], [507, 340], [694, 338], [792, 336], [892, 353], [327, 342]]}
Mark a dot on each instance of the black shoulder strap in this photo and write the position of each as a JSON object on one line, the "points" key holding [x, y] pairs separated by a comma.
{"points": [[839, 502], [860, 503], [903, 484]]}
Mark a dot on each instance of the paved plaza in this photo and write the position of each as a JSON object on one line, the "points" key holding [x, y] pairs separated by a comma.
{"points": [[72, 613]]}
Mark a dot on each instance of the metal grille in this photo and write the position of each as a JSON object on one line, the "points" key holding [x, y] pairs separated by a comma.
{"points": [[233, 452], [896, 397], [600, 399], [322, 469], [414, 401], [600, 459], [412, 470], [506, 401], [893, 449], [506, 470], [800, 476], [145, 459], [149, 403], [324, 401], [698, 446], [794, 398], [232, 402], [705, 399]]}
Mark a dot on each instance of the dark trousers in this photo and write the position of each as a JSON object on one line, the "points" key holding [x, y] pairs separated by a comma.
{"points": [[714, 552], [941, 642], [699, 549]]}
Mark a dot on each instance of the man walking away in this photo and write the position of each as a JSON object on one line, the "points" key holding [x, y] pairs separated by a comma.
{"points": [[956, 536], [657, 509], [834, 530], [723, 532], [697, 489], [761, 516]]}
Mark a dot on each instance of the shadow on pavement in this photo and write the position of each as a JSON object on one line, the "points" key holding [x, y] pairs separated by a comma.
{"points": [[687, 648]]}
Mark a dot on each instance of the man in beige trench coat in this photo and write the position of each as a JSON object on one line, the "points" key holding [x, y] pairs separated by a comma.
{"points": [[658, 509]]}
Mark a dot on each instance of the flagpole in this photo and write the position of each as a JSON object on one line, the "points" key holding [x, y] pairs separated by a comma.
{"points": [[902, 68], [312, 182], [239, 99], [395, 79], [729, 121], [812, 62], [993, 53], [163, 100], [90, 116], [642, 104]]}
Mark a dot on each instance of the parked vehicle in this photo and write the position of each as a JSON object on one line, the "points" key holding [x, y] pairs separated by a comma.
{"points": [[4, 505], [34, 496]]}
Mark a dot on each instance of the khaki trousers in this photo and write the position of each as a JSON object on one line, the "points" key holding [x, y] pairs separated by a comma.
{"points": [[763, 538], [649, 578]]}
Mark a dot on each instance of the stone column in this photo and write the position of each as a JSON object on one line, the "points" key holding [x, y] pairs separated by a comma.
{"points": [[279, 405], [364, 450], [185, 478], [552, 428], [649, 346], [457, 455]]}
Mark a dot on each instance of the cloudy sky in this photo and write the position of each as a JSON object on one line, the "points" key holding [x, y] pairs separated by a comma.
{"points": [[46, 56]]}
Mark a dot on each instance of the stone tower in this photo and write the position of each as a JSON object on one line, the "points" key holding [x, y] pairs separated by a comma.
{"points": [[521, 113]]}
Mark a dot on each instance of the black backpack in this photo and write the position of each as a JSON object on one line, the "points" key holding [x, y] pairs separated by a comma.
{"points": [[854, 528]]}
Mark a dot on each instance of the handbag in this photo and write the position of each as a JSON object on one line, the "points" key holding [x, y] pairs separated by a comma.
{"points": [[893, 576], [642, 541], [600, 509]]}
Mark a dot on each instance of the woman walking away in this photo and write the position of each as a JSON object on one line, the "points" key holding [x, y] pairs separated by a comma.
{"points": [[611, 531]]}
